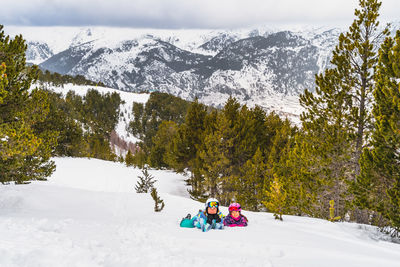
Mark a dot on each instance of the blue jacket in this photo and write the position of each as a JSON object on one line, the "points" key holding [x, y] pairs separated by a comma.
{"points": [[203, 218]]}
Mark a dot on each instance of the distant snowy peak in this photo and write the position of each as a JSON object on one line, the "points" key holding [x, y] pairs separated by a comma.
{"points": [[38, 52], [263, 70], [84, 36], [198, 41], [259, 66], [219, 42]]}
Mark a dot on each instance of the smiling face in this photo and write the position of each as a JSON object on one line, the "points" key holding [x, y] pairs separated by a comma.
{"points": [[212, 210], [235, 213]]}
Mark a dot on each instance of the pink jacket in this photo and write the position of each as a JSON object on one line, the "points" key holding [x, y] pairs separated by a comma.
{"points": [[232, 222]]}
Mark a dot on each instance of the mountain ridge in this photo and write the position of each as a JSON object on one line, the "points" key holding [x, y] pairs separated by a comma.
{"points": [[257, 66]]}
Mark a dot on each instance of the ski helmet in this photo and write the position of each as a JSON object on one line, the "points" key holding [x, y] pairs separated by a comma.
{"points": [[212, 202], [235, 206]]}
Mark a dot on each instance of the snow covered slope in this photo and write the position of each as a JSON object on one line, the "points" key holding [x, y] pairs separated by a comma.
{"points": [[88, 214], [125, 108]]}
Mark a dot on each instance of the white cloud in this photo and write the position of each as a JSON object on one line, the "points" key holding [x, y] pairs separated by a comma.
{"points": [[183, 13]]}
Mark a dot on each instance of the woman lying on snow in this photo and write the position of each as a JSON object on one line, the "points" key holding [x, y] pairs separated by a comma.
{"points": [[212, 218]]}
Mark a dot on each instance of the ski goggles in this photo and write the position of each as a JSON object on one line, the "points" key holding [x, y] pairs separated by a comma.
{"points": [[213, 204], [235, 209]]}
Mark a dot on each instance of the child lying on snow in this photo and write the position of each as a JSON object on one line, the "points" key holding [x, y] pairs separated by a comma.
{"points": [[235, 218], [210, 218]]}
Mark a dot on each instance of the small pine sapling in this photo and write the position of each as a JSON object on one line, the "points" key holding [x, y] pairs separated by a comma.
{"points": [[145, 183], [158, 203], [276, 198], [332, 217]]}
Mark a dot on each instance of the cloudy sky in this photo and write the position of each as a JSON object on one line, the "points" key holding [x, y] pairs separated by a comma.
{"points": [[184, 14]]}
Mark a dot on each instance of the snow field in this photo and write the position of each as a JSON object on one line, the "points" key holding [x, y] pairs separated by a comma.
{"points": [[88, 214]]}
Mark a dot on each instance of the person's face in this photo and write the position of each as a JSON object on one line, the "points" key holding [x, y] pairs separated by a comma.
{"points": [[212, 210], [235, 213]]}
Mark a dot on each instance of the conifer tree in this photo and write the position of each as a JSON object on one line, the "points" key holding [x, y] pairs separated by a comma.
{"points": [[338, 116], [186, 146], [360, 46], [216, 165], [25, 149], [101, 112], [140, 158], [162, 143], [302, 188], [189, 137], [332, 217], [70, 141], [194, 128], [378, 187], [250, 132], [145, 183], [129, 159], [136, 125], [230, 141], [249, 186], [276, 197], [158, 202], [283, 134]]}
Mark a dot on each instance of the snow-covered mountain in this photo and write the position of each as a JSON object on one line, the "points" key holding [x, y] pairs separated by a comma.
{"points": [[88, 214], [265, 66], [38, 52]]}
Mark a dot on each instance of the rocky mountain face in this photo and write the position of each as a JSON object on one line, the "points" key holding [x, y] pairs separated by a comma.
{"points": [[38, 52], [268, 68]]}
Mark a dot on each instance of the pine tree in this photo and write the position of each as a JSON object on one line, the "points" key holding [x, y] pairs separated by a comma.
{"points": [[199, 190], [360, 47], [377, 188], [129, 159], [249, 186], [70, 140], [158, 202], [101, 112], [162, 143], [338, 116], [136, 125], [216, 164], [332, 217], [284, 132], [276, 197], [301, 185], [188, 138], [25, 148], [145, 183], [194, 129], [140, 158]]}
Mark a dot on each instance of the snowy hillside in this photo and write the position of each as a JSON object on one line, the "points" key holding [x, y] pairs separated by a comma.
{"points": [[88, 214], [125, 108]]}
